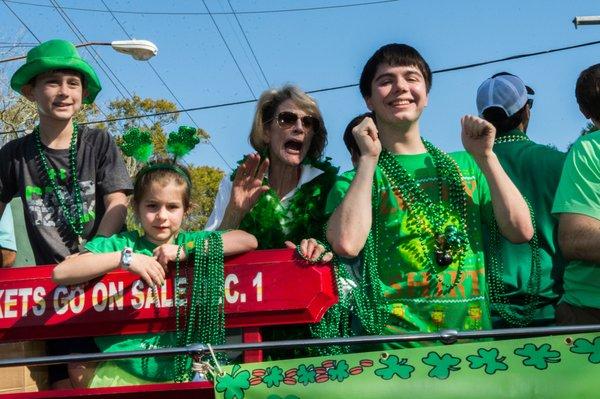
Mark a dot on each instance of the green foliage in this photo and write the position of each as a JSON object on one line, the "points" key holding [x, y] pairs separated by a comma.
{"points": [[538, 357], [205, 184], [441, 366], [583, 346], [488, 358], [394, 366]]}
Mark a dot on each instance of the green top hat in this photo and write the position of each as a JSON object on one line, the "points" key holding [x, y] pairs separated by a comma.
{"points": [[52, 55]]}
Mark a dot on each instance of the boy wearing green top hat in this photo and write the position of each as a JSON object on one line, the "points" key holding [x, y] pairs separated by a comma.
{"points": [[413, 213], [577, 206], [525, 280], [72, 179]]}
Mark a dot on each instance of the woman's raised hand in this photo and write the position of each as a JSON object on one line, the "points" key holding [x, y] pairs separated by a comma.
{"points": [[248, 184]]}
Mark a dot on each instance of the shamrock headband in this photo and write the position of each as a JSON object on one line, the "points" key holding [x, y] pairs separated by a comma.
{"points": [[138, 144]]}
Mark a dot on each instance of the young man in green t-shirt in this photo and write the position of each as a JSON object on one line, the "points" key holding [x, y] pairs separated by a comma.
{"points": [[577, 205], [525, 280], [414, 213]]}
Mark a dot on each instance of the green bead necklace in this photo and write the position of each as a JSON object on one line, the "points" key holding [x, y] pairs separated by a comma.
{"points": [[450, 242], [199, 316], [511, 139], [75, 222], [498, 296]]}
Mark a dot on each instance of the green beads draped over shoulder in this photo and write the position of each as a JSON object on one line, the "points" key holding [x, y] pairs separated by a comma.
{"points": [[273, 223]]}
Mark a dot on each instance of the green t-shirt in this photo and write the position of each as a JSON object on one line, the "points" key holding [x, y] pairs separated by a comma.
{"points": [[414, 304], [149, 368], [535, 170], [579, 192]]}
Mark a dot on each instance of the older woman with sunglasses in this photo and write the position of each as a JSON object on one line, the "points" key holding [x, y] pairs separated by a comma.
{"points": [[279, 193]]}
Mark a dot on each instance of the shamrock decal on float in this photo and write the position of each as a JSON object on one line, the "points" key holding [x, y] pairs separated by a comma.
{"points": [[273, 376], [488, 358], [233, 385], [583, 346], [441, 366], [306, 374], [339, 372], [394, 366], [538, 357]]}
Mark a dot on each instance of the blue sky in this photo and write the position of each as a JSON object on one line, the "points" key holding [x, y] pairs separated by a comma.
{"points": [[324, 48]]}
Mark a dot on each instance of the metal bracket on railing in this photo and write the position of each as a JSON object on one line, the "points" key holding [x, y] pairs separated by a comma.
{"points": [[448, 337]]}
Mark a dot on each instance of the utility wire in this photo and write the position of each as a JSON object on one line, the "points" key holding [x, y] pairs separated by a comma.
{"points": [[82, 38], [167, 87], [20, 20], [283, 10], [248, 43], [333, 88], [228, 48]]}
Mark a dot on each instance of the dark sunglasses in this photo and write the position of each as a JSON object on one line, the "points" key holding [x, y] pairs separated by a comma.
{"points": [[287, 119], [530, 94]]}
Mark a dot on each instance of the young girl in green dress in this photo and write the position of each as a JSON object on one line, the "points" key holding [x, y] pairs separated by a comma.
{"points": [[161, 200]]}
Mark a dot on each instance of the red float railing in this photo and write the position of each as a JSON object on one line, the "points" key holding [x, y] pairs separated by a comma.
{"points": [[262, 288]]}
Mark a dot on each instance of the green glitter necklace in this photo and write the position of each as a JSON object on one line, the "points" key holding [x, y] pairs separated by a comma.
{"points": [[75, 222], [498, 296], [450, 242], [199, 316]]}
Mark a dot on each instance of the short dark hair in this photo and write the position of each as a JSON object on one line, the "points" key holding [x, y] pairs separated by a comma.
{"points": [[349, 139], [587, 91], [501, 121], [393, 54]]}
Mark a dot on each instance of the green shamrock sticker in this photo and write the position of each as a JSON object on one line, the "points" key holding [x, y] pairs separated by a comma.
{"points": [[489, 359], [441, 366], [339, 372], [233, 385], [583, 346], [394, 366], [306, 374], [273, 376], [538, 357]]}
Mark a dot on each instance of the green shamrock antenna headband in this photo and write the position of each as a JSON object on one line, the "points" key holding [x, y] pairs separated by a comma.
{"points": [[138, 144]]}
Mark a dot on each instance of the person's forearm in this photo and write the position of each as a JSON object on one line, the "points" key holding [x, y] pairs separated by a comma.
{"points": [[237, 242], [510, 209], [350, 223], [82, 268], [232, 218], [114, 218], [579, 237]]}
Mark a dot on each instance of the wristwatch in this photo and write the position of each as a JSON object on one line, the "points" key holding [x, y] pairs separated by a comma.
{"points": [[126, 258]]}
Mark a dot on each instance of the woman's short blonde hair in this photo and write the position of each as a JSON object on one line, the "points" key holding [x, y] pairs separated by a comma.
{"points": [[266, 107]]}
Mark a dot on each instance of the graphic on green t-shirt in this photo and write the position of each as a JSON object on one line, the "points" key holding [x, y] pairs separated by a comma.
{"points": [[414, 298]]}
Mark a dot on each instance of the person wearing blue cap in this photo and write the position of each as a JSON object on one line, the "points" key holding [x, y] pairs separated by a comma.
{"points": [[525, 280], [71, 179]]}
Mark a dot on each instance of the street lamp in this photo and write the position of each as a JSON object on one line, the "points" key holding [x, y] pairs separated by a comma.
{"points": [[588, 20], [141, 50]]}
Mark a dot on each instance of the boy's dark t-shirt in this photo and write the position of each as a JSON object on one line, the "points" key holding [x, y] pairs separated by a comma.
{"points": [[100, 168]]}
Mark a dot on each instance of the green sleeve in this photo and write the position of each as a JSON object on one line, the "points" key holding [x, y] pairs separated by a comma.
{"points": [[579, 187], [338, 192], [114, 243], [485, 198]]}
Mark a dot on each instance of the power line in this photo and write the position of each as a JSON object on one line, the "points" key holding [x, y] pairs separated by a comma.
{"points": [[333, 88], [248, 43], [228, 48], [20, 20], [283, 10], [167, 86]]}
